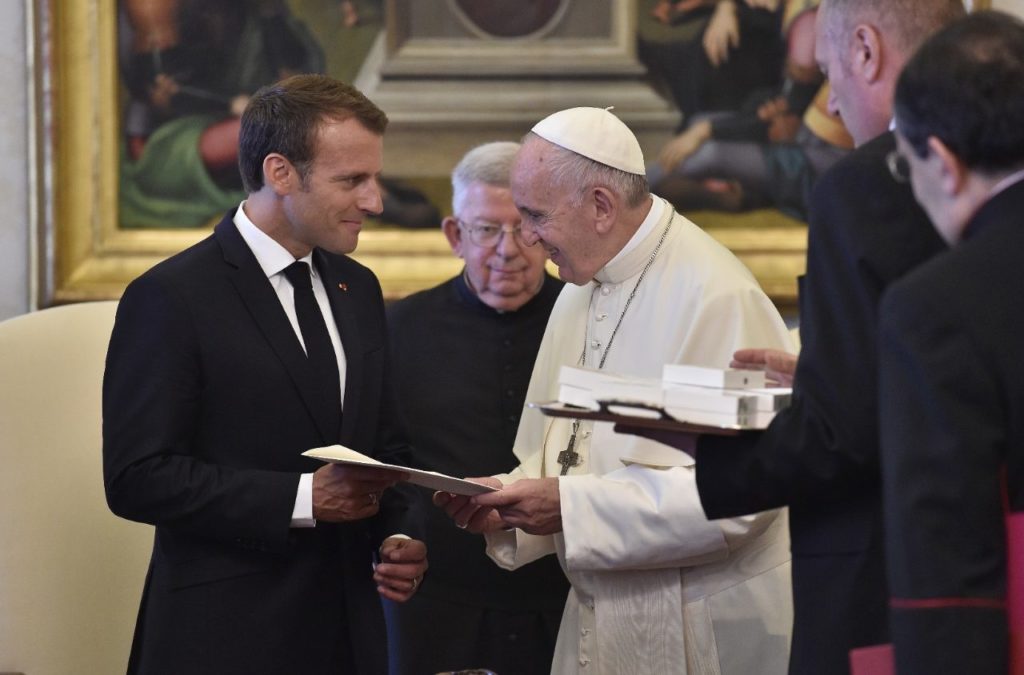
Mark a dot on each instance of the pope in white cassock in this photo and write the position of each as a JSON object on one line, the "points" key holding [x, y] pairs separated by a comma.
{"points": [[656, 587]]}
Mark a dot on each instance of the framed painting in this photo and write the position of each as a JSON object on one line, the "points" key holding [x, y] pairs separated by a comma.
{"points": [[87, 249], [95, 233]]}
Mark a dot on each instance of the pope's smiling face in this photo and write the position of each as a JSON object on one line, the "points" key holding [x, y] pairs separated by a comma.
{"points": [[560, 221]]}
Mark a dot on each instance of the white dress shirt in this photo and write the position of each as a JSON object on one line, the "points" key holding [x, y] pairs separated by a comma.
{"points": [[273, 259]]}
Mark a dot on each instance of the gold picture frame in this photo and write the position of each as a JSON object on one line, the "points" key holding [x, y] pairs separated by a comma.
{"points": [[84, 254]]}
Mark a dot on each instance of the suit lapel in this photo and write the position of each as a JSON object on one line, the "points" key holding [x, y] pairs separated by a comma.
{"points": [[265, 308], [342, 306]]}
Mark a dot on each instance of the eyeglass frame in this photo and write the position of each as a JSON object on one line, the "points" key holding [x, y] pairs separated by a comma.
{"points": [[472, 230], [898, 165]]}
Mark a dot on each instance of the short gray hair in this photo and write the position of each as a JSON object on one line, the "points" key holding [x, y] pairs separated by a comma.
{"points": [[490, 164], [577, 174], [906, 23]]}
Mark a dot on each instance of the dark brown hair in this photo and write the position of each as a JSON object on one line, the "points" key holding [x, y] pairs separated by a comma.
{"points": [[966, 88], [285, 118]]}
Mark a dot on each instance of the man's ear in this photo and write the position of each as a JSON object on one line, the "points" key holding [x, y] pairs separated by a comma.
{"points": [[952, 170], [866, 59], [453, 233], [279, 174], [605, 209]]}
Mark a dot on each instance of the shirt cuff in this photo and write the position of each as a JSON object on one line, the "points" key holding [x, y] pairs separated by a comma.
{"points": [[302, 514]]}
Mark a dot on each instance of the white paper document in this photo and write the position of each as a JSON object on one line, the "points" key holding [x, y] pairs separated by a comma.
{"points": [[339, 454]]}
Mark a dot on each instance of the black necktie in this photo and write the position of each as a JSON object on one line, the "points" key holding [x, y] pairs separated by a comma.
{"points": [[319, 350]]}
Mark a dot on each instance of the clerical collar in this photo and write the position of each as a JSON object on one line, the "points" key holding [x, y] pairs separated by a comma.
{"points": [[466, 293], [634, 254], [465, 290], [646, 227]]}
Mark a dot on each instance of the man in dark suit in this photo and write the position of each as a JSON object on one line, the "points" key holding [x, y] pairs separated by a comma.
{"points": [[463, 354], [952, 378], [821, 456], [215, 383]]}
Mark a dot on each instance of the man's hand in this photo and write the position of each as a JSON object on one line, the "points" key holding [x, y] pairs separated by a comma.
{"points": [[722, 33], [685, 144], [467, 515], [532, 504], [402, 565], [779, 367], [346, 493]]}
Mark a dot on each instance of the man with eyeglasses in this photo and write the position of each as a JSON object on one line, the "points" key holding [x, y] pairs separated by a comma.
{"points": [[952, 379], [463, 353]]}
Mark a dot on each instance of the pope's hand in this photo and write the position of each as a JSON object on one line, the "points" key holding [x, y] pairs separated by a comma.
{"points": [[532, 504], [467, 515]]}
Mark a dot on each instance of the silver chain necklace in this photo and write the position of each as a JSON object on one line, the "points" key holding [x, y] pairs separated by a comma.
{"points": [[569, 457], [582, 361]]}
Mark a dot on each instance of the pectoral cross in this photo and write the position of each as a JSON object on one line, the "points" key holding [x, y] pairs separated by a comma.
{"points": [[569, 457]]}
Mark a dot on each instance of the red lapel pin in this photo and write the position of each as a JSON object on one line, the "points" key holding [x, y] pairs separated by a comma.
{"points": [[343, 287]]}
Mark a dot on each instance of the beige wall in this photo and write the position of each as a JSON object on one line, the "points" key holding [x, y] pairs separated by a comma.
{"points": [[1012, 6], [14, 230]]}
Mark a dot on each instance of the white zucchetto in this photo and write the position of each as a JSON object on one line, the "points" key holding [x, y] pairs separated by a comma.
{"points": [[596, 134]]}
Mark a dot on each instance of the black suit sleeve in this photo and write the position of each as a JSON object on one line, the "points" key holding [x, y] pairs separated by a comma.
{"points": [[865, 230], [152, 411]]}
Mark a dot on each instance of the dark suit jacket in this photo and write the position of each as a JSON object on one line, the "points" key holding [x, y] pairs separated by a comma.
{"points": [[821, 456], [207, 405], [952, 421], [461, 373]]}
